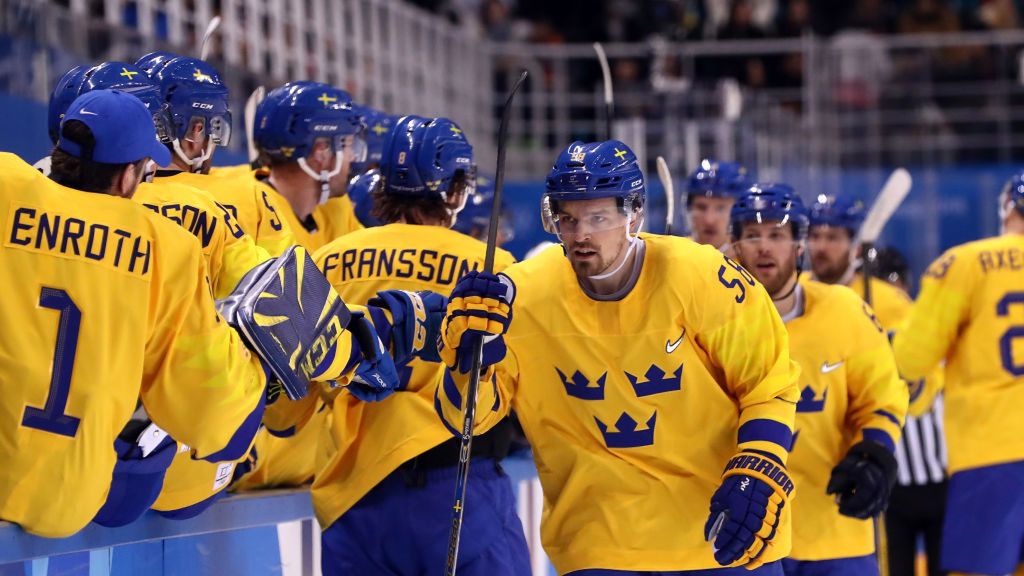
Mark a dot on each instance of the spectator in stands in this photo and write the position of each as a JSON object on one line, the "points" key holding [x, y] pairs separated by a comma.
{"points": [[750, 70]]}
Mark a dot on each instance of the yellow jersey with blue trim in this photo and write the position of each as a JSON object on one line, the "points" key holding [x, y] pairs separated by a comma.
{"points": [[230, 252], [849, 391], [253, 205], [634, 406], [109, 304], [330, 220], [367, 441], [970, 313]]}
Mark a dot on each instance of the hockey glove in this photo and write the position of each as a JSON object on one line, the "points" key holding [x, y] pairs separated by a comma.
{"points": [[746, 508], [415, 323], [863, 480], [288, 313], [375, 376], [480, 307]]}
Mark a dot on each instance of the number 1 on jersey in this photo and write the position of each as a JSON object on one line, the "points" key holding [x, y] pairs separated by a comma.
{"points": [[52, 417]]}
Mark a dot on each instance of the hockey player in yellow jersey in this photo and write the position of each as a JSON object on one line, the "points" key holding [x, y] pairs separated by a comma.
{"points": [[230, 253], [852, 402], [394, 460], [640, 367], [112, 304], [835, 220], [969, 313]]}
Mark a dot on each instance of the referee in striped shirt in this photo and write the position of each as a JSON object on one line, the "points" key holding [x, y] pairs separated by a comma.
{"points": [[918, 502]]}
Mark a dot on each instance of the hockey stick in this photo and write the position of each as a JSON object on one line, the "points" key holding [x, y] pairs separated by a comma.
{"points": [[670, 195], [211, 29], [478, 348], [889, 199], [250, 125], [609, 99]]}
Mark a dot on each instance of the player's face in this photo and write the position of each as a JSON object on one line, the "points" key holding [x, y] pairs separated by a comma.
{"points": [[594, 233], [769, 252], [830, 252], [709, 218]]}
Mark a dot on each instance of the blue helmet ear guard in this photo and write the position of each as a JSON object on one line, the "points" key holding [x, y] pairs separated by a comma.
{"points": [[1012, 196], [717, 180], [378, 127], [838, 212], [770, 202], [587, 171], [196, 97], [64, 93], [476, 216], [426, 158]]}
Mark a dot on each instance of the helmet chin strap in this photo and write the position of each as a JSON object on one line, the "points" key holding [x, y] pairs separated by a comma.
{"points": [[195, 165], [632, 240], [454, 212], [324, 177]]}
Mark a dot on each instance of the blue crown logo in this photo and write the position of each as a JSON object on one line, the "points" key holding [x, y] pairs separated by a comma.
{"points": [[628, 436], [808, 403], [657, 382], [579, 387]]}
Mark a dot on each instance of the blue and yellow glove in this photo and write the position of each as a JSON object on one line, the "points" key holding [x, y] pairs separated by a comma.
{"points": [[415, 323], [746, 508], [863, 480], [480, 307], [375, 377]]}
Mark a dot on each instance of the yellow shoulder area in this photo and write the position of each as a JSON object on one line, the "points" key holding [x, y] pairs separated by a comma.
{"points": [[13, 167], [544, 269], [237, 171], [165, 190], [681, 256], [818, 295]]}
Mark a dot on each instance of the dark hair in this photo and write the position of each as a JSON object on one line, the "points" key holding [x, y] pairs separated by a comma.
{"points": [[391, 207], [80, 173]]}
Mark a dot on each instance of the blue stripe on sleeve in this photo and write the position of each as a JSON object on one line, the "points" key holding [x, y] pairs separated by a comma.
{"points": [[766, 431], [889, 416], [440, 414], [880, 436], [451, 390], [239, 444]]}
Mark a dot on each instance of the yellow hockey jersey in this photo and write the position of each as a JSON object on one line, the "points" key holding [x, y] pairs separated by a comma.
{"points": [[230, 252], [109, 303], [367, 441], [330, 220], [970, 312], [633, 407], [849, 391], [250, 202]]}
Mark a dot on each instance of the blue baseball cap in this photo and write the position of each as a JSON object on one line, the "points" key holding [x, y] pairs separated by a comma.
{"points": [[122, 126]]}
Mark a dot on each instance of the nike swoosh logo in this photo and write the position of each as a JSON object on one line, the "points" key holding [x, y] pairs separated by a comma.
{"points": [[670, 347], [84, 111], [826, 367]]}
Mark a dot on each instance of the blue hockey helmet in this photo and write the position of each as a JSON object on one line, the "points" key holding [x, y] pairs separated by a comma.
{"points": [[64, 93], [131, 79], [150, 62], [1012, 196], [293, 117], [378, 127], [770, 202], [838, 212], [475, 218], [198, 102], [360, 192], [425, 157], [585, 171], [717, 180]]}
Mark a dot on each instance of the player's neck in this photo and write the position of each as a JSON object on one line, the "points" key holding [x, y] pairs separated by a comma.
{"points": [[301, 191], [614, 283], [786, 298], [1014, 224]]}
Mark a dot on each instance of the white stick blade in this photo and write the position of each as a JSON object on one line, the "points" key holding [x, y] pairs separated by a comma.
{"points": [[211, 29], [889, 199], [670, 195], [602, 58], [250, 120]]}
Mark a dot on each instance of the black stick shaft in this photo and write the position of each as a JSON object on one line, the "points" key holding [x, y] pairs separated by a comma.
{"points": [[478, 347]]}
